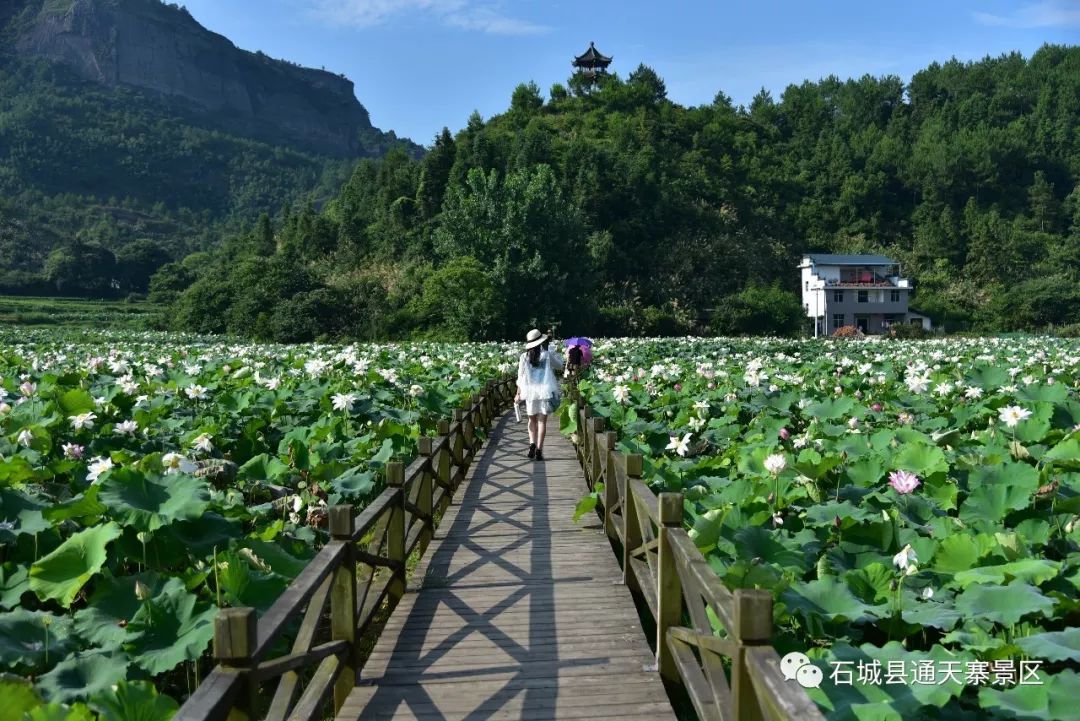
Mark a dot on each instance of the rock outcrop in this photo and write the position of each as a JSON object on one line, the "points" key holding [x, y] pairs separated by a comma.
{"points": [[160, 48]]}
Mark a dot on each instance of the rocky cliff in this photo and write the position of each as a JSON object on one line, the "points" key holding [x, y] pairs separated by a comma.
{"points": [[160, 48]]}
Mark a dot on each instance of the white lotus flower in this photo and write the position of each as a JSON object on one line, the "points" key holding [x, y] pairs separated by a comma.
{"points": [[343, 401], [1011, 415], [621, 393], [680, 446], [775, 463], [176, 463], [98, 466], [416, 390], [906, 559], [25, 438], [83, 420], [125, 428], [202, 443], [195, 392]]}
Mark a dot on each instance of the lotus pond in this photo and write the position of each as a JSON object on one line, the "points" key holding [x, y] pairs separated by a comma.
{"points": [[913, 506], [147, 480]]}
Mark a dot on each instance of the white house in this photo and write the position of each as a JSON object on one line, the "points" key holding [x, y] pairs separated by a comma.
{"points": [[866, 291]]}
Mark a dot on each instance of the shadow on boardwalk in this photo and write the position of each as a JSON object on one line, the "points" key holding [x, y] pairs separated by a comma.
{"points": [[516, 612]]}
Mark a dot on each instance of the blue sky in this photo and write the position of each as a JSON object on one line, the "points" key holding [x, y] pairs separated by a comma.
{"points": [[421, 64]]}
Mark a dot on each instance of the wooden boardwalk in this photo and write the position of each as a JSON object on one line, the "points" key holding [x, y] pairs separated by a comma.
{"points": [[515, 612]]}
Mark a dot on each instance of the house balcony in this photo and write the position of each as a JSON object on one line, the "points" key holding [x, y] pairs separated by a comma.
{"points": [[860, 284]]}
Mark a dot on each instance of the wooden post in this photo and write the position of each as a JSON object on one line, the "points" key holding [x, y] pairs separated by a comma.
{"points": [[596, 427], [395, 531], [753, 627], [425, 500], [235, 637], [611, 483], [668, 586], [458, 443], [631, 527], [343, 620]]}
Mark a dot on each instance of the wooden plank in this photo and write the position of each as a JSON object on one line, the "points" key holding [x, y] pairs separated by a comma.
{"points": [[513, 600], [780, 699], [318, 691]]}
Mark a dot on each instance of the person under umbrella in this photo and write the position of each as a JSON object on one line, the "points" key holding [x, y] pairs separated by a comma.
{"points": [[579, 354]]}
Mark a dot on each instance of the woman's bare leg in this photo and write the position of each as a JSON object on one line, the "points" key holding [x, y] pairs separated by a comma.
{"points": [[532, 429], [541, 431]]}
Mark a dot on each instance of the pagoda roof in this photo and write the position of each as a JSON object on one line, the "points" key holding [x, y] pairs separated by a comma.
{"points": [[592, 56]]}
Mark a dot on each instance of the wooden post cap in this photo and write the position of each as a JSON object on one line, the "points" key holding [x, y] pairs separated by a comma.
{"points": [[235, 636], [443, 427], [671, 509], [635, 465], [459, 415], [753, 615], [597, 424], [425, 446], [395, 473], [342, 521]]}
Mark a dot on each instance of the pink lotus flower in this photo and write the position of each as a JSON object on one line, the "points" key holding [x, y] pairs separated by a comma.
{"points": [[784, 434], [903, 481], [876, 408]]}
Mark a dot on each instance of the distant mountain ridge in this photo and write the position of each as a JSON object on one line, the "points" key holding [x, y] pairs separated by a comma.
{"points": [[160, 48], [125, 123]]}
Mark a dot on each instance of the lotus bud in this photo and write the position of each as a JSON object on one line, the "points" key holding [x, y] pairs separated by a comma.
{"points": [[876, 408], [142, 591], [771, 498], [836, 522], [784, 434]]}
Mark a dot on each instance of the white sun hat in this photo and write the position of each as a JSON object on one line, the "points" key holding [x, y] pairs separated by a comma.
{"points": [[534, 338]]}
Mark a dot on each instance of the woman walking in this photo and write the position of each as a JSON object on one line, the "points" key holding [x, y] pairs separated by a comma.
{"points": [[538, 386]]}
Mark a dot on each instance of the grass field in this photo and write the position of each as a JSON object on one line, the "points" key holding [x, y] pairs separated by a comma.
{"points": [[75, 312]]}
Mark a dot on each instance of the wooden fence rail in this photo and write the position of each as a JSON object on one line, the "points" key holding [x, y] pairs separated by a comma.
{"points": [[308, 642], [662, 564]]}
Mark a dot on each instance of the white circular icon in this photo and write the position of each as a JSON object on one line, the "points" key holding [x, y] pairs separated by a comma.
{"points": [[796, 666], [792, 662]]}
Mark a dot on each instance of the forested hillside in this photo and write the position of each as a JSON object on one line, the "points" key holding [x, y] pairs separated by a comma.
{"points": [[105, 156], [617, 211]]}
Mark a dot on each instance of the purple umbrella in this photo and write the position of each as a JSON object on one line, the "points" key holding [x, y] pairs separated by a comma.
{"points": [[586, 348]]}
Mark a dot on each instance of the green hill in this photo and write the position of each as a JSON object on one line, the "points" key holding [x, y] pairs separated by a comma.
{"points": [[99, 145], [614, 210]]}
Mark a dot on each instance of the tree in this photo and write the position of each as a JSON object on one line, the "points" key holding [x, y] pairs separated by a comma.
{"points": [[759, 310], [137, 262], [82, 269], [462, 302]]}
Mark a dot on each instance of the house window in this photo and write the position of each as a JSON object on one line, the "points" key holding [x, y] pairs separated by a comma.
{"points": [[806, 285], [838, 296], [837, 320], [894, 296], [864, 296]]}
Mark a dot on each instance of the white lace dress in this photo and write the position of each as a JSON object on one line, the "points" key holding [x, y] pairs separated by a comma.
{"points": [[538, 384]]}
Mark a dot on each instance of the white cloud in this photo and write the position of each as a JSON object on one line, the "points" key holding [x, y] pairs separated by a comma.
{"points": [[1045, 14], [480, 16]]}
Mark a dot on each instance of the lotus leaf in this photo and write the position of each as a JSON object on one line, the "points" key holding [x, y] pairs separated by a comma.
{"points": [[62, 574], [1003, 605]]}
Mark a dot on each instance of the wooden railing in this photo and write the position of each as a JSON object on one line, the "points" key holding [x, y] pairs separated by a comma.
{"points": [[661, 563], [313, 651]]}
